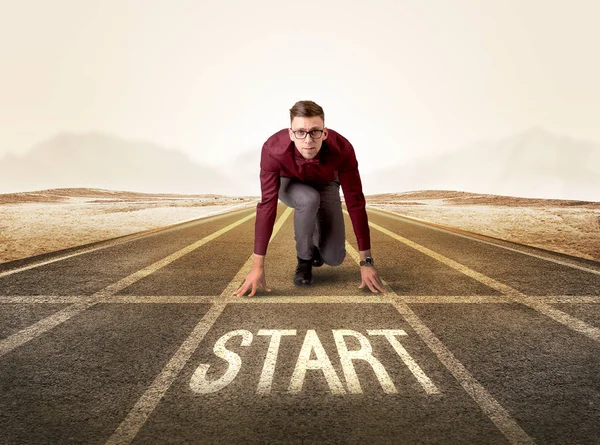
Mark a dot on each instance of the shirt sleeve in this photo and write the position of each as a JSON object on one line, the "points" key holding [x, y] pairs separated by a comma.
{"points": [[353, 195], [266, 209]]}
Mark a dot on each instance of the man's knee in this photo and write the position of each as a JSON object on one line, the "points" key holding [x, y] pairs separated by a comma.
{"points": [[308, 199], [334, 258]]}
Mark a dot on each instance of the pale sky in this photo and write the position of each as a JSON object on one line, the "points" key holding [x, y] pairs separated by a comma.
{"points": [[400, 79]]}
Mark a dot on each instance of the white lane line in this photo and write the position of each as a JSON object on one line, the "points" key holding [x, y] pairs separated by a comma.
{"points": [[567, 320], [129, 280], [228, 292], [44, 299], [20, 338], [453, 299], [312, 299], [292, 299], [491, 299], [490, 406], [136, 418], [560, 299], [512, 294], [29, 333], [433, 226], [161, 299], [182, 299], [490, 282], [111, 243], [131, 425]]}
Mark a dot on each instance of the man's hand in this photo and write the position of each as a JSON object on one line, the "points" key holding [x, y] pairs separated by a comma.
{"points": [[371, 278], [253, 279]]}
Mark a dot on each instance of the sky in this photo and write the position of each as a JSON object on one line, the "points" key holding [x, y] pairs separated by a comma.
{"points": [[400, 79]]}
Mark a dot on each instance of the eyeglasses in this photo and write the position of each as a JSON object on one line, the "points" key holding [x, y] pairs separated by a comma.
{"points": [[314, 134]]}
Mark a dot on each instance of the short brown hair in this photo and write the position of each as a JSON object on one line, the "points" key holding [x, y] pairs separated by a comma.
{"points": [[306, 108]]}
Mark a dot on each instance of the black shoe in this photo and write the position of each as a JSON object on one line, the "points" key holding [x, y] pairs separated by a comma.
{"points": [[317, 261], [303, 275]]}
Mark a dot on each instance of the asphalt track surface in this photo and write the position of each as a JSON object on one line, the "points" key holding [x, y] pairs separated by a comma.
{"points": [[141, 340]]}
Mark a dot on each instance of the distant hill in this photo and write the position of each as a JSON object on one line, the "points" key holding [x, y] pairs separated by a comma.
{"points": [[532, 164], [100, 195], [103, 161], [450, 197], [535, 164]]}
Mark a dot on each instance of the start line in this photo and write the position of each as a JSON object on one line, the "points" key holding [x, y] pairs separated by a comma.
{"points": [[201, 385]]}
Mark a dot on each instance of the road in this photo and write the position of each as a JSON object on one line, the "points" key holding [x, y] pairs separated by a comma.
{"points": [[141, 340]]}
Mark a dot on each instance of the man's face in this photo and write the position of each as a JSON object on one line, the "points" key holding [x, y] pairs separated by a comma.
{"points": [[308, 147]]}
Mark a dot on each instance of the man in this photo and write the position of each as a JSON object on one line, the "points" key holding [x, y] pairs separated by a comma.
{"points": [[304, 167]]}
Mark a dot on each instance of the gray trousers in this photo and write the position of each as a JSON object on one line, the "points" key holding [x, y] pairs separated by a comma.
{"points": [[318, 218]]}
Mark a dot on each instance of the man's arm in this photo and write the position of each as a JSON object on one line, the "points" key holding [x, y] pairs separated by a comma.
{"points": [[266, 212], [356, 203]]}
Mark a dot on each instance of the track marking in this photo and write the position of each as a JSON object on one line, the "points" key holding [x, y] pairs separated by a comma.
{"points": [[430, 225], [181, 299], [130, 426], [43, 299], [291, 299], [513, 295], [236, 282], [265, 381], [490, 406], [111, 243], [491, 299], [410, 363], [129, 280], [561, 299], [20, 338], [136, 418]]}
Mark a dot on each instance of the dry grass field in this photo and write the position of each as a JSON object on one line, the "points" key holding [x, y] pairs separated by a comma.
{"points": [[570, 227], [33, 223]]}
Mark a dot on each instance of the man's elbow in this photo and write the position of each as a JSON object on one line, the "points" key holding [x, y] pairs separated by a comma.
{"points": [[355, 200]]}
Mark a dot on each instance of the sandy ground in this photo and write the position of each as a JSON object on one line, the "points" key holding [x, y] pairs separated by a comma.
{"points": [[36, 223], [571, 227], [40, 222]]}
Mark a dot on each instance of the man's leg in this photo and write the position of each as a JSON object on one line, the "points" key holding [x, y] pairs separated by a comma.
{"points": [[330, 235], [306, 201], [318, 218]]}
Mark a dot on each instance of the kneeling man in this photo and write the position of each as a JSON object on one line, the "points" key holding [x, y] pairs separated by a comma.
{"points": [[304, 166]]}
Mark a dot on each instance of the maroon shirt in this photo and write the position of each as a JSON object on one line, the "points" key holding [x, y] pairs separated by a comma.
{"points": [[280, 157]]}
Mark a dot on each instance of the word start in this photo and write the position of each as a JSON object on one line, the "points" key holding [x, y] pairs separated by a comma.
{"points": [[312, 345]]}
